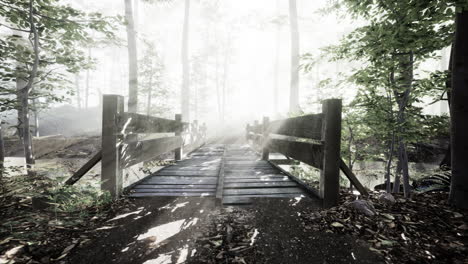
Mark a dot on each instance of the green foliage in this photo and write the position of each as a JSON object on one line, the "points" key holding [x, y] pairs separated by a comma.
{"points": [[66, 198], [61, 29]]}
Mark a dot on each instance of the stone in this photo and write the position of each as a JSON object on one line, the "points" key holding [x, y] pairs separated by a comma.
{"points": [[387, 198], [363, 207]]}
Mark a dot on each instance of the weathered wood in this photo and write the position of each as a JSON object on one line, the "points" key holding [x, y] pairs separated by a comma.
{"points": [[140, 151], [188, 173], [220, 187], [259, 185], [331, 136], [309, 153], [172, 190], [111, 169], [302, 184], [284, 161], [278, 195], [253, 176], [352, 178], [137, 123], [307, 126], [175, 186], [233, 180], [178, 194], [84, 169], [178, 151], [265, 151], [286, 190]]}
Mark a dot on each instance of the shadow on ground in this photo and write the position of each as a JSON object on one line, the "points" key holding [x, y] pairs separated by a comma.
{"points": [[176, 230]]}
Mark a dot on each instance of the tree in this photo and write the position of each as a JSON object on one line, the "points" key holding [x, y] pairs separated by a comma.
{"points": [[132, 59], [54, 32], [294, 89], [399, 36], [459, 114], [185, 91]]}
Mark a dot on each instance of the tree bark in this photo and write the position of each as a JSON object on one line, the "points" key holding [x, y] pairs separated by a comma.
{"points": [[77, 88], [276, 63], [446, 161], [185, 91], [459, 114], [88, 76], [36, 119], [132, 59], [24, 95], [2, 158], [294, 89]]}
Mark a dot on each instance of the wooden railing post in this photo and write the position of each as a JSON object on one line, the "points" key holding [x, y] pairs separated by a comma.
{"points": [[265, 151], [111, 169], [178, 151], [331, 138]]}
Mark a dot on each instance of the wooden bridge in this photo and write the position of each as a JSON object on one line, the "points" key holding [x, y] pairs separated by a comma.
{"points": [[233, 174]]}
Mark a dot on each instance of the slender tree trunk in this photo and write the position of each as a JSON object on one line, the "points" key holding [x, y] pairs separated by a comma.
{"points": [[150, 94], [459, 114], [36, 118], [24, 95], [185, 92], [446, 161], [2, 158], [276, 63], [77, 88], [294, 89], [391, 149], [132, 59], [88, 77], [20, 84]]}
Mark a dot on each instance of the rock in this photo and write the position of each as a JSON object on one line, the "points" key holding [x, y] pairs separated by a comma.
{"points": [[387, 198], [363, 206]]}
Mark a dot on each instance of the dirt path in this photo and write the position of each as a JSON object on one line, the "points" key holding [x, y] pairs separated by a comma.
{"points": [[192, 230]]}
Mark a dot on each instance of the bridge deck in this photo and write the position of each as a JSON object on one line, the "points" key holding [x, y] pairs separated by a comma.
{"points": [[232, 172]]}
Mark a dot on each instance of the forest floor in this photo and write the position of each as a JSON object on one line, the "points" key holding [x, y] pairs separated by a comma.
{"points": [[423, 229]]}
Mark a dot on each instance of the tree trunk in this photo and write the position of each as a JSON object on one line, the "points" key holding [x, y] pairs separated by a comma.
{"points": [[276, 63], [185, 92], [132, 59], [24, 95], [150, 90], [391, 149], [88, 76], [294, 89], [2, 158], [446, 161], [36, 118], [77, 87], [459, 114]]}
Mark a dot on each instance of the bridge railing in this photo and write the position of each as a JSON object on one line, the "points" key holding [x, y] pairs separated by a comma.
{"points": [[122, 147], [314, 139]]}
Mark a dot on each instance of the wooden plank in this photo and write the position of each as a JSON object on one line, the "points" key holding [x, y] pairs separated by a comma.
{"points": [[138, 123], [247, 176], [301, 184], [187, 173], [277, 195], [84, 169], [307, 126], [208, 194], [227, 180], [146, 190], [306, 152], [285, 190], [284, 161], [330, 173], [232, 185], [265, 150], [352, 178], [236, 200], [182, 181], [177, 186], [220, 187], [140, 151], [111, 167]]}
